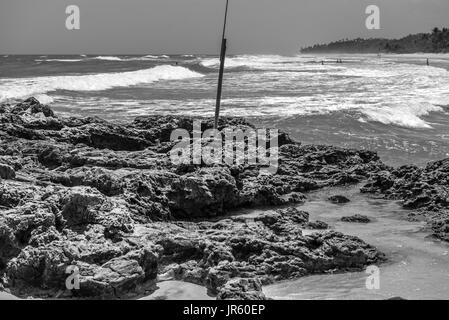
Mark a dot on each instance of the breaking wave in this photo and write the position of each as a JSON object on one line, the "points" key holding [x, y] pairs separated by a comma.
{"points": [[108, 58], [25, 87], [143, 58], [58, 60]]}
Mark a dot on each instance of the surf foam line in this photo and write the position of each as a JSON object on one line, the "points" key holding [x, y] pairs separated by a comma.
{"points": [[397, 113], [59, 60], [267, 62], [143, 58], [25, 87]]}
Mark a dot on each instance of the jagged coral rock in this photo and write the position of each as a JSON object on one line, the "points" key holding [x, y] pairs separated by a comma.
{"points": [[105, 197]]}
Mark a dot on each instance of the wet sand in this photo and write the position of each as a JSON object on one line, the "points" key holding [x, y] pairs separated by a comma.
{"points": [[177, 290], [418, 266], [7, 296]]}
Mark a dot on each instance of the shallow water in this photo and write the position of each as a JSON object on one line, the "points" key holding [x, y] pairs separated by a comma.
{"points": [[418, 267]]}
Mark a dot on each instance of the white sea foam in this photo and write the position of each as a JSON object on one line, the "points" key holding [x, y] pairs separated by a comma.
{"points": [[44, 99], [405, 115], [143, 58], [364, 87], [25, 87], [366, 73], [58, 60], [402, 115], [393, 113], [371, 89], [149, 56], [262, 62], [108, 58]]}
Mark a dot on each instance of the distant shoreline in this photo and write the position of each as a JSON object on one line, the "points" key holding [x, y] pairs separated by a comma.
{"points": [[437, 41]]}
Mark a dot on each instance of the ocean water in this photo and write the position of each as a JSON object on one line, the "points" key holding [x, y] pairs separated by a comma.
{"points": [[394, 104]]}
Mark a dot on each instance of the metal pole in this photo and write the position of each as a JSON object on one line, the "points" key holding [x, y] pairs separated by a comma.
{"points": [[221, 72]]}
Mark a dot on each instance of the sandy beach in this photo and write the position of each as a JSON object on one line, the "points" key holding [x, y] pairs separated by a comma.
{"points": [[7, 296]]}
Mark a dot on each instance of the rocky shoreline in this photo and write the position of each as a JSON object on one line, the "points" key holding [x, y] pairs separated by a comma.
{"points": [[105, 197], [424, 191]]}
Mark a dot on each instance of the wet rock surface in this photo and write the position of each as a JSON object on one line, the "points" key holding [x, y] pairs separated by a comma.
{"points": [[317, 225], [339, 199], [105, 198], [357, 218]]}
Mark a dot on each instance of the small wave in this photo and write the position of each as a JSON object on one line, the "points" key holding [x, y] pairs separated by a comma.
{"points": [[148, 57], [58, 60], [143, 58], [108, 58], [25, 87], [156, 57]]}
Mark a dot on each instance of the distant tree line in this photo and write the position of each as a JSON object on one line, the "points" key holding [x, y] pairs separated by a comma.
{"points": [[435, 42]]}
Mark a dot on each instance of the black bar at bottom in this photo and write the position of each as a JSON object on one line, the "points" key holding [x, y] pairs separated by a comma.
{"points": [[178, 310]]}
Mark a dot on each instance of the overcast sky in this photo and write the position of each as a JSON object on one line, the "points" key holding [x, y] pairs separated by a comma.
{"points": [[193, 26]]}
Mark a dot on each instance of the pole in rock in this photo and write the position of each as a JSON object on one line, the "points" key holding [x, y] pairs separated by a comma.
{"points": [[221, 72]]}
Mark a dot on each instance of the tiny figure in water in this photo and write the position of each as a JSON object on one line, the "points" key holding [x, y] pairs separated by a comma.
{"points": [[428, 63], [322, 62]]}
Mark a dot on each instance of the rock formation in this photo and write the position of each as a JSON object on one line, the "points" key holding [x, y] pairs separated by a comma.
{"points": [[424, 191], [106, 199]]}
